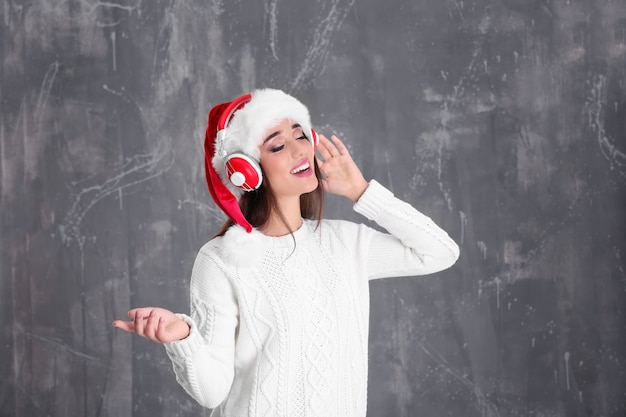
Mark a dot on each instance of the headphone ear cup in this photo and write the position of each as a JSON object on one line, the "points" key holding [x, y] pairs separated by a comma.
{"points": [[243, 172], [314, 139]]}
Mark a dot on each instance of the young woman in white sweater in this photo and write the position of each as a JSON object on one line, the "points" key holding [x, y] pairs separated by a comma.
{"points": [[279, 302]]}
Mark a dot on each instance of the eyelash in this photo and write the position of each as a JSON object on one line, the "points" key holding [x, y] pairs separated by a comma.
{"points": [[279, 148]]}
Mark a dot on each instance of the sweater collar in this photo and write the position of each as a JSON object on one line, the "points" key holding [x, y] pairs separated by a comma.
{"points": [[242, 249]]}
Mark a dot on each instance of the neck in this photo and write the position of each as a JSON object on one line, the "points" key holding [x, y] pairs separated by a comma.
{"points": [[290, 209]]}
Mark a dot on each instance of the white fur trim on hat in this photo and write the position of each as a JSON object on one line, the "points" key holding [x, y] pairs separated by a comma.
{"points": [[245, 132]]}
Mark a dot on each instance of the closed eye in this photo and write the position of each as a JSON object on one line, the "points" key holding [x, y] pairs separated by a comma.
{"points": [[281, 147], [277, 148]]}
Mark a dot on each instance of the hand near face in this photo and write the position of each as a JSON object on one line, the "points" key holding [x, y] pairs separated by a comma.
{"points": [[156, 324], [343, 177]]}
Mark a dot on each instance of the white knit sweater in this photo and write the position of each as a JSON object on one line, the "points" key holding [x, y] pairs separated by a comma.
{"points": [[280, 328]]}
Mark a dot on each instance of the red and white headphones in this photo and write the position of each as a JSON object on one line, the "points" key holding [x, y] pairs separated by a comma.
{"points": [[243, 171]]}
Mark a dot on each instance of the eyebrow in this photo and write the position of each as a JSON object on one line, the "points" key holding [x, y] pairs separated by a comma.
{"points": [[278, 132]]}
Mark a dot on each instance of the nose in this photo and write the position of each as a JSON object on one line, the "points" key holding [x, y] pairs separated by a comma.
{"points": [[299, 148]]}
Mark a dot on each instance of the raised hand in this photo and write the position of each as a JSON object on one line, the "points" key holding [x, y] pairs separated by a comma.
{"points": [[156, 324], [343, 177]]}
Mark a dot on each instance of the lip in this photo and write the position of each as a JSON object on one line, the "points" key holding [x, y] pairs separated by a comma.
{"points": [[304, 173]]}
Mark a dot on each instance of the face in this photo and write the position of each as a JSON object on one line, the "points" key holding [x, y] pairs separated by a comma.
{"points": [[287, 158]]}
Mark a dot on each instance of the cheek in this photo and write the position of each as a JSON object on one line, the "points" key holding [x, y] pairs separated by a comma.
{"points": [[272, 165]]}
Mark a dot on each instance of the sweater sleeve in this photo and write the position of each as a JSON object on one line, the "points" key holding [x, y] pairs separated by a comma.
{"points": [[204, 361], [415, 245]]}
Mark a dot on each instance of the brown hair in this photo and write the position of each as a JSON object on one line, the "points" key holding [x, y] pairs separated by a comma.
{"points": [[257, 206]]}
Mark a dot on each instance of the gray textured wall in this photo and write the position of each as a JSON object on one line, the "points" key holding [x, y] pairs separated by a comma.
{"points": [[504, 120]]}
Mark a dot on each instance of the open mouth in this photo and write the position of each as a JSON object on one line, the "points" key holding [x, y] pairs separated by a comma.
{"points": [[306, 166]]}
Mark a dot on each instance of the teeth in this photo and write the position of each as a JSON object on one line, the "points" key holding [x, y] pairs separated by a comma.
{"points": [[301, 168]]}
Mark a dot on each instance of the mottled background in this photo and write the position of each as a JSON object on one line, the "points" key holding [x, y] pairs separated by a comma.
{"points": [[504, 120]]}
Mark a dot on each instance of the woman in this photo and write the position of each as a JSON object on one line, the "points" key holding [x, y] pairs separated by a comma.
{"points": [[280, 298]]}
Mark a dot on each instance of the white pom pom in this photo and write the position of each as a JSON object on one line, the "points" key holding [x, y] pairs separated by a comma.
{"points": [[242, 249]]}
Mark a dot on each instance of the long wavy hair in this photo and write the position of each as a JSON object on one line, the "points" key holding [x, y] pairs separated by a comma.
{"points": [[257, 206]]}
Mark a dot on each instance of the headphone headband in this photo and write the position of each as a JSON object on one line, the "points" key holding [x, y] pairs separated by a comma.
{"points": [[224, 119], [232, 107]]}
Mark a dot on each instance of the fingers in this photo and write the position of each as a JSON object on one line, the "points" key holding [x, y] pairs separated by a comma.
{"points": [[144, 321], [146, 325], [127, 326], [339, 145], [326, 148], [140, 323], [322, 147], [160, 334], [341, 174], [155, 329]]}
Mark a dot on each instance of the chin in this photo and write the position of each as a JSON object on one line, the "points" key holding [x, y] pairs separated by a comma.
{"points": [[312, 187]]}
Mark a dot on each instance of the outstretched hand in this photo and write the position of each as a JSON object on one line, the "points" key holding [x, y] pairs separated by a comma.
{"points": [[156, 324], [342, 176]]}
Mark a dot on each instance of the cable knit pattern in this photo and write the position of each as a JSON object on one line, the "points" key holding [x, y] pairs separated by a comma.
{"points": [[279, 325]]}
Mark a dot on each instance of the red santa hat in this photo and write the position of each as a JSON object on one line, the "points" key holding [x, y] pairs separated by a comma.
{"points": [[238, 127]]}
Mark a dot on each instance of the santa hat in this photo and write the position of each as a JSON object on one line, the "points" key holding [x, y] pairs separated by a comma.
{"points": [[239, 126]]}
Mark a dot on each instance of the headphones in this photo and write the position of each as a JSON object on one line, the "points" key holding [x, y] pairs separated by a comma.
{"points": [[243, 171]]}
